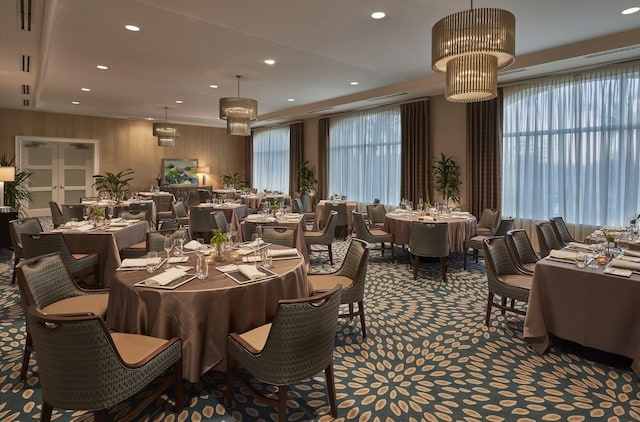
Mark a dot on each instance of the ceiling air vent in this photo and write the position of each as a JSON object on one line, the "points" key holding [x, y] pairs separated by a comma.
{"points": [[26, 63], [617, 50], [386, 97], [26, 89], [319, 110], [25, 15]]}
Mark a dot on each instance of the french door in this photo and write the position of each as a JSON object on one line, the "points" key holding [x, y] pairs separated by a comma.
{"points": [[62, 170]]}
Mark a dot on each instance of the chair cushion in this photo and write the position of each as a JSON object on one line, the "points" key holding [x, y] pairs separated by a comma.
{"points": [[324, 282], [379, 232], [134, 348], [139, 245], [94, 303], [313, 234], [529, 266], [517, 280], [484, 230], [257, 337]]}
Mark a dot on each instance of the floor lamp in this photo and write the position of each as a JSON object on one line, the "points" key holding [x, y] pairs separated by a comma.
{"points": [[7, 174]]}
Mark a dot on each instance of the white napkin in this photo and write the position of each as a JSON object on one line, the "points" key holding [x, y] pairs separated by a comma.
{"points": [[461, 213], [84, 227], [251, 272], [118, 224], [192, 245], [425, 218], [165, 278], [629, 252], [244, 251], [283, 252], [621, 263], [562, 254], [177, 259], [251, 258], [133, 262], [227, 268], [618, 271], [583, 246]]}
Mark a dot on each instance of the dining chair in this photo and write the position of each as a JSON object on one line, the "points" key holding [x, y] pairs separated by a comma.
{"points": [[504, 277], [376, 214], [204, 195], [164, 210], [220, 221], [81, 265], [373, 235], [488, 222], [309, 217], [183, 196], [324, 236], [70, 211], [430, 240], [84, 366], [279, 235], [45, 282], [56, 214], [29, 225], [168, 224], [351, 276], [561, 230], [475, 243], [296, 345], [547, 238], [147, 207], [522, 250], [342, 219], [201, 223], [133, 215], [180, 213]]}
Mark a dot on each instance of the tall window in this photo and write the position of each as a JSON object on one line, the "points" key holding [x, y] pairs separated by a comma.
{"points": [[571, 148], [364, 155], [271, 159]]}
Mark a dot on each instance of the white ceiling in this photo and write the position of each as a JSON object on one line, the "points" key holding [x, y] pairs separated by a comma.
{"points": [[319, 46]]}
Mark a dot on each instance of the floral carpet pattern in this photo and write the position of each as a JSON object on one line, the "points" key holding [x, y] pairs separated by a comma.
{"points": [[427, 357]]}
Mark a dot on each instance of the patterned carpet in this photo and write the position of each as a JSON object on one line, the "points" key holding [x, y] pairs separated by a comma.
{"points": [[428, 357]]}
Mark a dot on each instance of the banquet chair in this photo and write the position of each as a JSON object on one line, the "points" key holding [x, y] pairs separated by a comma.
{"points": [[376, 213], [220, 222], [133, 215], [372, 235], [56, 214], [45, 282], [147, 207], [522, 250], [201, 223], [324, 236], [296, 345], [120, 365], [81, 265], [169, 224], [475, 243], [487, 222], [309, 217], [431, 240], [180, 213], [164, 211], [183, 195], [342, 219], [285, 236], [547, 238], [29, 225], [561, 230], [352, 276], [70, 211], [204, 195], [504, 277], [154, 241]]}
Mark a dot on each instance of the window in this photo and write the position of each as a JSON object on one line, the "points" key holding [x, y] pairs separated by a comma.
{"points": [[364, 155], [271, 159], [571, 148]]}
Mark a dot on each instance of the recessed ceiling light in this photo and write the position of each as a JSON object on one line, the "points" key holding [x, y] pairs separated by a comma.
{"points": [[353, 83], [270, 62], [75, 102], [85, 89], [132, 28], [291, 99], [178, 101], [630, 10], [102, 67], [213, 86], [378, 15]]}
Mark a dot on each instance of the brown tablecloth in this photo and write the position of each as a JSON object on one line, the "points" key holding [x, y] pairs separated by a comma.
{"points": [[585, 306], [460, 229], [202, 312]]}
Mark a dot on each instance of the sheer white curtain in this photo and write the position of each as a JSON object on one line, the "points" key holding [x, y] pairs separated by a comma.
{"points": [[571, 148], [271, 159], [364, 155]]}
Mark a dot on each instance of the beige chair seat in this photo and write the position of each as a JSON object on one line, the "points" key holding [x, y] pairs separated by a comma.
{"points": [[324, 282], [380, 232], [517, 280], [257, 337], [313, 234], [135, 348], [531, 266], [94, 303]]}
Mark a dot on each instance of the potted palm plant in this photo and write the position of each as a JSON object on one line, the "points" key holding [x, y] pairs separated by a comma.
{"points": [[234, 179], [114, 183], [306, 182], [16, 193], [446, 178]]}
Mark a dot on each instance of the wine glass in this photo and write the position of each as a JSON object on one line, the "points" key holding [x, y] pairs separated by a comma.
{"points": [[109, 212], [255, 245], [85, 213], [168, 245], [200, 248]]}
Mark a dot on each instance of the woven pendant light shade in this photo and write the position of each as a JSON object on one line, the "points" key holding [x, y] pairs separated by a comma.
{"points": [[238, 126], [473, 77], [238, 112]]}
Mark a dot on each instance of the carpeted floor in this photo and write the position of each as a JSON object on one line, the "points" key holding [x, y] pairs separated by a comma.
{"points": [[428, 356]]}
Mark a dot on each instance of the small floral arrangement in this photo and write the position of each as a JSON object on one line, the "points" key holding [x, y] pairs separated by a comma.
{"points": [[218, 237], [97, 212]]}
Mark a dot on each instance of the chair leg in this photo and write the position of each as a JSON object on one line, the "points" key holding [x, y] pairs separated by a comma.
{"points": [[351, 311], [466, 252], [414, 260], [362, 321], [331, 387], [26, 355], [230, 374], [503, 302], [282, 403], [13, 277], [47, 409], [178, 375], [443, 267], [489, 305], [393, 253], [100, 415], [330, 253]]}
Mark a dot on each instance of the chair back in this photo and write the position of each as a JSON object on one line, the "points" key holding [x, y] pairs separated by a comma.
{"points": [[429, 239], [155, 240], [499, 258], [147, 207], [360, 226], [70, 211], [201, 220], [56, 214], [172, 224], [220, 221], [298, 207], [41, 244], [30, 225], [163, 203], [250, 227], [301, 340], [341, 213], [285, 236], [489, 218], [376, 213], [182, 195], [504, 226], [561, 230], [203, 195], [547, 239], [179, 210], [133, 215], [328, 231], [521, 247], [354, 266]]}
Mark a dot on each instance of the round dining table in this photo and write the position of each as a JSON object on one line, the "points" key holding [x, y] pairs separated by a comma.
{"points": [[203, 312], [461, 226]]}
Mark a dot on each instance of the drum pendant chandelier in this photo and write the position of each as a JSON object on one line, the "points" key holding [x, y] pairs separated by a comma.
{"points": [[238, 112], [166, 133], [470, 46]]}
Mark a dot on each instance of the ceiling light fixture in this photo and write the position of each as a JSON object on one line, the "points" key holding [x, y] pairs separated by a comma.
{"points": [[470, 46], [132, 28], [631, 10], [102, 67], [270, 62], [166, 133], [378, 15], [238, 112]]}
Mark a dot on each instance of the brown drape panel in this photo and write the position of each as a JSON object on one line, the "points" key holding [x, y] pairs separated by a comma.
{"points": [[415, 177], [484, 142], [296, 137], [248, 160], [323, 159]]}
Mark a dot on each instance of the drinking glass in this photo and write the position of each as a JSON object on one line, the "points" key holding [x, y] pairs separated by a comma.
{"points": [[74, 222], [255, 243], [152, 261], [202, 269], [168, 245], [85, 213], [177, 247], [581, 259], [110, 212], [200, 249], [267, 259]]}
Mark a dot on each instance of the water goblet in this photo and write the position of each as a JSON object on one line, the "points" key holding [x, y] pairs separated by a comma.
{"points": [[151, 261], [200, 248], [168, 245]]}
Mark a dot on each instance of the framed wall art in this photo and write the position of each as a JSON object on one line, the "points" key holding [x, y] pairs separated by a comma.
{"points": [[179, 171]]}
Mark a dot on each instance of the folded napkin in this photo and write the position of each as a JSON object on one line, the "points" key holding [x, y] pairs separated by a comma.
{"points": [[116, 220], [583, 246], [621, 263], [617, 271], [566, 255], [193, 245], [244, 251], [251, 272], [283, 252], [118, 224], [131, 221], [461, 213], [293, 214], [629, 252], [165, 278], [630, 258], [251, 258], [425, 218], [253, 244], [227, 268], [177, 259], [133, 262], [84, 227]]}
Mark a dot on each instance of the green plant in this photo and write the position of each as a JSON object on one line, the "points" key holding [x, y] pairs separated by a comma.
{"points": [[217, 237], [306, 178], [97, 212], [16, 193], [236, 179], [446, 178], [114, 183]]}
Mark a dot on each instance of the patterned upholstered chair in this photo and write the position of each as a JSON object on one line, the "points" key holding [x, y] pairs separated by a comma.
{"points": [[147, 207], [376, 213], [372, 235], [201, 223], [547, 238], [351, 275], [342, 219], [30, 225], [504, 277], [561, 230], [220, 221], [56, 214], [180, 213], [522, 250], [475, 243], [323, 237], [285, 236], [429, 240], [120, 366], [297, 345], [133, 215], [45, 282], [309, 216], [488, 222], [70, 211]]}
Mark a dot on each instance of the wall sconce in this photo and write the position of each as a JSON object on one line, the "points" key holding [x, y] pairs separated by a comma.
{"points": [[202, 171]]}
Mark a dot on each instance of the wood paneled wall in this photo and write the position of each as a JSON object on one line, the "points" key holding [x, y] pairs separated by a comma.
{"points": [[129, 143]]}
